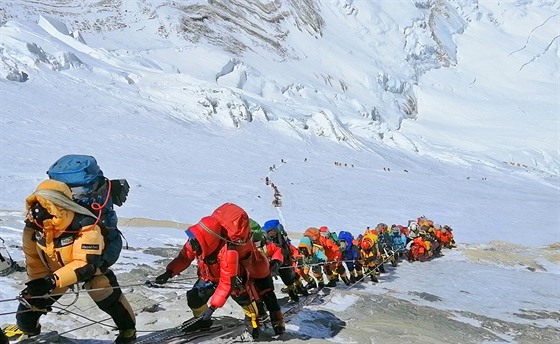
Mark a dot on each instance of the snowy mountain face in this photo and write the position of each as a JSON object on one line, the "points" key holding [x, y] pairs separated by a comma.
{"points": [[360, 112], [350, 71], [448, 91]]}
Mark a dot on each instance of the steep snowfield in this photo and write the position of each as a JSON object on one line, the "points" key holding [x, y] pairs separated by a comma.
{"points": [[448, 109]]}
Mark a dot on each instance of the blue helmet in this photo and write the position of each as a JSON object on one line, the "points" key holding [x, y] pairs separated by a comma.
{"points": [[273, 224]]}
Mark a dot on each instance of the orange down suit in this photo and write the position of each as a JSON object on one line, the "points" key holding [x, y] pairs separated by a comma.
{"points": [[68, 246]]}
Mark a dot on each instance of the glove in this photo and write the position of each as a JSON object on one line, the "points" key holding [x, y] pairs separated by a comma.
{"points": [[119, 191], [275, 267], [162, 279], [40, 286], [207, 313]]}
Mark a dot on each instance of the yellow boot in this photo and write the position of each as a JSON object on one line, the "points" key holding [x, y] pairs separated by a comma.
{"points": [[252, 319]]}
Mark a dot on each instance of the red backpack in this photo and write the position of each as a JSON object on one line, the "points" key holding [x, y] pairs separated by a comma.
{"points": [[236, 223]]}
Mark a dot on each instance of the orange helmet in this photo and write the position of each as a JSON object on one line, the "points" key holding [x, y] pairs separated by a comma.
{"points": [[313, 233]]}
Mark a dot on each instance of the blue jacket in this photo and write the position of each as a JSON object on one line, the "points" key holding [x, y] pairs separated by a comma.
{"points": [[351, 253], [398, 241]]}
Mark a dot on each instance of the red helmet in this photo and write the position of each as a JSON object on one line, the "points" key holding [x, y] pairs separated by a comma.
{"points": [[366, 244]]}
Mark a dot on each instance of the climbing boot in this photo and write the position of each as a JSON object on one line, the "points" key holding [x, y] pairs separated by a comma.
{"points": [[16, 334], [345, 280], [252, 319], [277, 320], [331, 284], [200, 325], [311, 285], [293, 295], [126, 336], [360, 277], [301, 290]]}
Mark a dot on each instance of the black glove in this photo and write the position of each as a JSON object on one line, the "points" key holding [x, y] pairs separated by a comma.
{"points": [[119, 191], [275, 267], [40, 286], [207, 313], [162, 279]]}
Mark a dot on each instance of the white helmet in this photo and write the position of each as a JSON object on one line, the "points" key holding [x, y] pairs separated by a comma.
{"points": [[413, 226]]}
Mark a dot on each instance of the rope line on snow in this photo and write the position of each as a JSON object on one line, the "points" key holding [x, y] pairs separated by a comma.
{"points": [[101, 322], [82, 291]]}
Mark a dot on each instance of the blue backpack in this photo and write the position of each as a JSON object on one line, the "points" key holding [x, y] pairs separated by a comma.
{"points": [[92, 190]]}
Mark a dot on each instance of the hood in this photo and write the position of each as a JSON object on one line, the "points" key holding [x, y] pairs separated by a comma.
{"points": [[348, 237], [306, 242], [370, 237], [208, 232], [235, 220], [62, 217]]}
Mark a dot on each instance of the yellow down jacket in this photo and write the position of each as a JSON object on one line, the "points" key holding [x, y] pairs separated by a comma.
{"points": [[61, 245]]}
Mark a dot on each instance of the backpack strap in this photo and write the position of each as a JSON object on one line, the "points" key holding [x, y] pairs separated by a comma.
{"points": [[81, 221]]}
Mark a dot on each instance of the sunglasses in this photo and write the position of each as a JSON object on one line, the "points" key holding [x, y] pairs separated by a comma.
{"points": [[193, 242]]}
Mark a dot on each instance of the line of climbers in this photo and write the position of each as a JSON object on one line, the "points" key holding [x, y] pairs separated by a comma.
{"points": [[71, 237], [343, 257]]}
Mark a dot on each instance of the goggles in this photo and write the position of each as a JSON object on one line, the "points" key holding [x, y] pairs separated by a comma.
{"points": [[39, 213], [193, 242]]}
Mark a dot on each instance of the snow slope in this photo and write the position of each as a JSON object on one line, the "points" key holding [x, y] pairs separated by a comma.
{"points": [[448, 109]]}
